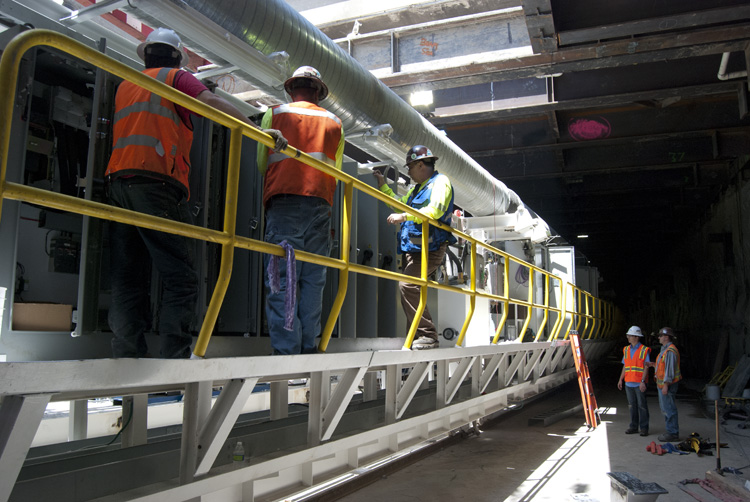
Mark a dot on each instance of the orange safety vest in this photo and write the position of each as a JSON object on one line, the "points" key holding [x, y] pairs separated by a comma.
{"points": [[661, 366], [315, 131], [149, 134], [634, 365]]}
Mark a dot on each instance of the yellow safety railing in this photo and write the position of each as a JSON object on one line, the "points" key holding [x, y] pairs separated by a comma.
{"points": [[229, 240]]}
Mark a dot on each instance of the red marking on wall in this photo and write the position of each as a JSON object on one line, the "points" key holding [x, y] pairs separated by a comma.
{"points": [[588, 129], [428, 48]]}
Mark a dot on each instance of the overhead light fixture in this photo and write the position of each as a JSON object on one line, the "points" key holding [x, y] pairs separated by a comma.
{"points": [[583, 236], [421, 98]]}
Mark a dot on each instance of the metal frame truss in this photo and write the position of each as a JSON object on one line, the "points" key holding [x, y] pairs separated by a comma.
{"points": [[423, 395]]}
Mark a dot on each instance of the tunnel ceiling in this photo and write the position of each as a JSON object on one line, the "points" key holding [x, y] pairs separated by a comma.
{"points": [[616, 126]]}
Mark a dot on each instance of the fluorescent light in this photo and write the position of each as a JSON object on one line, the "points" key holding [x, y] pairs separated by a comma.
{"points": [[421, 98], [583, 236]]}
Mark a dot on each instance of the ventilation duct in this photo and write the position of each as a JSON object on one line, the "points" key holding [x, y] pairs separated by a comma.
{"points": [[356, 96]]}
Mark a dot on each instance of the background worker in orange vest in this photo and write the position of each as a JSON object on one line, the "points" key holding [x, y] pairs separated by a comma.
{"points": [[635, 375], [298, 201], [148, 172], [667, 377]]}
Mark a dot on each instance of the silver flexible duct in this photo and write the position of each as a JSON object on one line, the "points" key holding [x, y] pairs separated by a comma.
{"points": [[356, 96]]}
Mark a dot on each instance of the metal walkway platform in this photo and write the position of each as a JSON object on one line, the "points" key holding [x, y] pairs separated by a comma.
{"points": [[362, 406]]}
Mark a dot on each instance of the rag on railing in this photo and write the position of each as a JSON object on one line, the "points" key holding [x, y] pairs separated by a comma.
{"points": [[290, 301]]}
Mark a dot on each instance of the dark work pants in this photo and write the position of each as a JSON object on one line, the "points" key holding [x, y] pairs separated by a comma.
{"points": [[133, 250]]}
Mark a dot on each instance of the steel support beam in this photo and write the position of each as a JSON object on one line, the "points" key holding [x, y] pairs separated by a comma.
{"points": [[134, 420], [410, 386], [340, 399], [78, 420], [197, 403], [20, 417], [220, 420], [459, 374]]}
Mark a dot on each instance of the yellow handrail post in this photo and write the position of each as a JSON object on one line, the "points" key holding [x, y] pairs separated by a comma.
{"points": [[579, 315], [573, 308], [587, 315], [227, 249], [506, 302], [598, 312], [423, 286], [606, 319], [9, 64], [545, 317], [564, 311], [530, 299], [346, 224], [501, 323], [472, 297]]}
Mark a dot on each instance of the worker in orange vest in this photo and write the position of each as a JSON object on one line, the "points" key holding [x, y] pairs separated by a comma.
{"points": [[298, 200], [635, 375], [667, 380], [148, 172]]}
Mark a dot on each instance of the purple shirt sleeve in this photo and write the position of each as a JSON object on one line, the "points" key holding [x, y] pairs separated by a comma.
{"points": [[187, 83]]}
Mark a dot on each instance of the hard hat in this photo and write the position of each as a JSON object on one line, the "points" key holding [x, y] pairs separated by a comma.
{"points": [[634, 331], [666, 331], [312, 75], [167, 37], [419, 152]]}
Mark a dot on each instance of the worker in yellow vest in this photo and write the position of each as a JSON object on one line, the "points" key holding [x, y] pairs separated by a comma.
{"points": [[635, 375]]}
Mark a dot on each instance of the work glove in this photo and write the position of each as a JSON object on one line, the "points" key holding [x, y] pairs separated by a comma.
{"points": [[281, 141]]}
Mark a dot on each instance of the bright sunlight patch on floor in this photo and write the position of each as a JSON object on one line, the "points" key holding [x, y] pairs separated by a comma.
{"points": [[578, 467]]}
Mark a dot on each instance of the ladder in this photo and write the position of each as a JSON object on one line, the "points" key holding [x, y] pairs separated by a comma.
{"points": [[584, 381]]}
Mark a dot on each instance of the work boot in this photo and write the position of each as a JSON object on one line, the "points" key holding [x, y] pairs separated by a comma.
{"points": [[424, 342], [644, 433], [631, 431], [667, 437]]}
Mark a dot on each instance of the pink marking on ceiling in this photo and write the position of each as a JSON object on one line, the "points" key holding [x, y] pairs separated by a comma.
{"points": [[588, 129]]}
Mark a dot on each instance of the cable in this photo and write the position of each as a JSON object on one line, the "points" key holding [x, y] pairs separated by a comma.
{"points": [[130, 417], [46, 243], [522, 275], [125, 426], [20, 281]]}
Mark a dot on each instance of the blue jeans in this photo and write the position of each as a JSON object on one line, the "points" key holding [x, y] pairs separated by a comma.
{"points": [[132, 250], [305, 223], [669, 409], [638, 409]]}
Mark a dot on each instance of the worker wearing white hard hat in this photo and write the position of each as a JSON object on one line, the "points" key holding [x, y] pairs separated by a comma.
{"points": [[149, 172], [298, 199], [635, 359], [164, 36]]}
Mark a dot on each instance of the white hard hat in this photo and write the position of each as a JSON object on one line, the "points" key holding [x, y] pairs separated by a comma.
{"points": [[311, 74], [634, 331], [164, 36]]}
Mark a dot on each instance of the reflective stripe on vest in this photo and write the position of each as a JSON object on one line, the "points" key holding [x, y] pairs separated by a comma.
{"points": [[149, 136], [634, 366], [661, 367], [278, 157], [313, 130], [410, 237]]}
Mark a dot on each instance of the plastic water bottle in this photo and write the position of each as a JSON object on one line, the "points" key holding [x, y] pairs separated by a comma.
{"points": [[238, 455]]}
